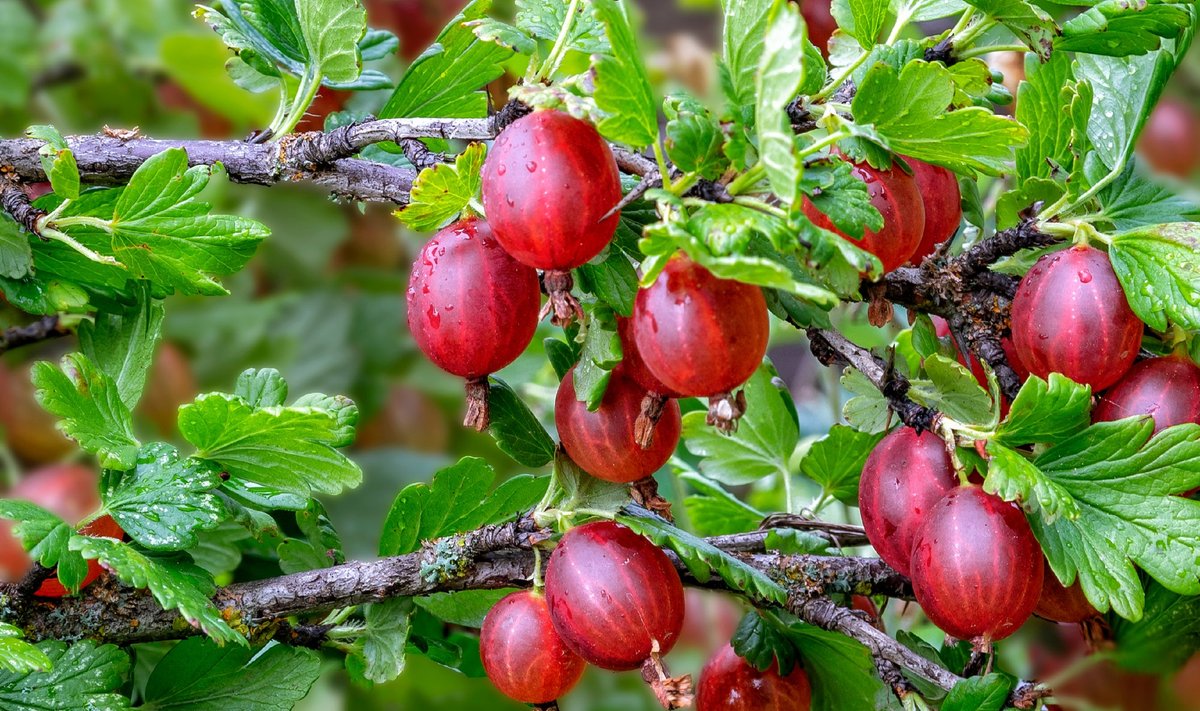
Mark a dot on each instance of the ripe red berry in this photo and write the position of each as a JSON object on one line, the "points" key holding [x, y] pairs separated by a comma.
{"points": [[819, 19], [614, 597], [730, 683], [1062, 604], [69, 492], [472, 308], [1168, 389], [701, 336], [522, 654], [943, 205], [896, 195], [1070, 316], [904, 476], [604, 442], [632, 364], [976, 566], [550, 183]]}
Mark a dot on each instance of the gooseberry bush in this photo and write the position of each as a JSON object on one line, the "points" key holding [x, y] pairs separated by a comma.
{"points": [[1009, 298]]}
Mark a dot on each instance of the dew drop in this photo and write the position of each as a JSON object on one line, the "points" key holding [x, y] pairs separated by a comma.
{"points": [[435, 318], [531, 167], [501, 169], [1085, 277]]}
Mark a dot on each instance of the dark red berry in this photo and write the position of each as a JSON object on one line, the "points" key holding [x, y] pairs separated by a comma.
{"points": [[730, 683], [1062, 604], [701, 336], [614, 597], [522, 654], [895, 194], [904, 476], [472, 308], [604, 442], [1167, 389], [976, 566], [1070, 316], [943, 205], [548, 184], [634, 367]]}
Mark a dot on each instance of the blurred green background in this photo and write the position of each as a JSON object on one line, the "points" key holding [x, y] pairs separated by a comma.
{"points": [[323, 302]]}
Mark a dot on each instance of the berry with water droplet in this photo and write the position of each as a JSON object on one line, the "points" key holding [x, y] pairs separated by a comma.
{"points": [[1070, 316], [976, 567], [896, 195], [522, 654], [603, 443], [614, 597], [904, 476], [942, 199], [1167, 389], [472, 308], [730, 683]]}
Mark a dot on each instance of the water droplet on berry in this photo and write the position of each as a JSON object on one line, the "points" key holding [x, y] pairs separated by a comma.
{"points": [[435, 318], [531, 167], [1085, 277], [501, 169]]}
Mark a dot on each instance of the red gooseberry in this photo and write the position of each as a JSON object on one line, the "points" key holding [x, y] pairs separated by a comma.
{"points": [[1170, 142], [942, 199], [1060, 603], [522, 654], [1167, 389], [730, 683]]}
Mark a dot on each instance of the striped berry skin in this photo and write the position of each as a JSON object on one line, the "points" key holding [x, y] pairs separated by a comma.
{"points": [[730, 683], [603, 442], [522, 654], [633, 365], [1167, 389], [1070, 316], [548, 183], [904, 476], [942, 199], [1062, 604], [472, 309], [976, 566], [614, 597], [896, 195], [698, 334]]}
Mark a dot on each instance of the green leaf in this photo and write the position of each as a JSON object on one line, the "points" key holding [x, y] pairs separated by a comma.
{"points": [[581, 490], [199, 675], [175, 584], [1117, 28], [1012, 477], [868, 410], [121, 343], [1165, 638], [908, 113], [1055, 108], [562, 356], [1134, 200], [331, 30], [544, 19], [1125, 483], [47, 538], [1046, 412], [58, 161], [488, 29], [385, 638], [515, 428], [83, 675], [1160, 273], [91, 409], [261, 388], [745, 27], [290, 449], [601, 352], [703, 559], [693, 138], [842, 197], [1125, 89], [836, 461], [869, 18], [980, 693], [446, 80], [18, 656], [456, 500], [614, 281], [765, 438], [466, 608], [16, 257], [166, 500], [841, 670], [953, 390], [780, 75], [1032, 25], [713, 511], [443, 191], [763, 642], [622, 89]]}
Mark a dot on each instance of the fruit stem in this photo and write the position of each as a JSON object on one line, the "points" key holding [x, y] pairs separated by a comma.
{"points": [[559, 51], [725, 409], [989, 49], [829, 140], [671, 692], [562, 306], [538, 583], [741, 183], [477, 404], [902, 19], [837, 82], [653, 406]]}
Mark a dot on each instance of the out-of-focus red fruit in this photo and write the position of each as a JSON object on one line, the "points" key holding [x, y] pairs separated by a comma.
{"points": [[976, 567], [472, 308], [1186, 685], [821, 25], [730, 683], [1170, 142], [30, 431], [614, 597], [416, 22], [604, 443], [712, 618], [35, 191], [896, 195], [1070, 316], [373, 240], [522, 654], [699, 335], [943, 205], [170, 385], [327, 101], [549, 184], [1062, 604], [1167, 389], [68, 491], [904, 476], [408, 418]]}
